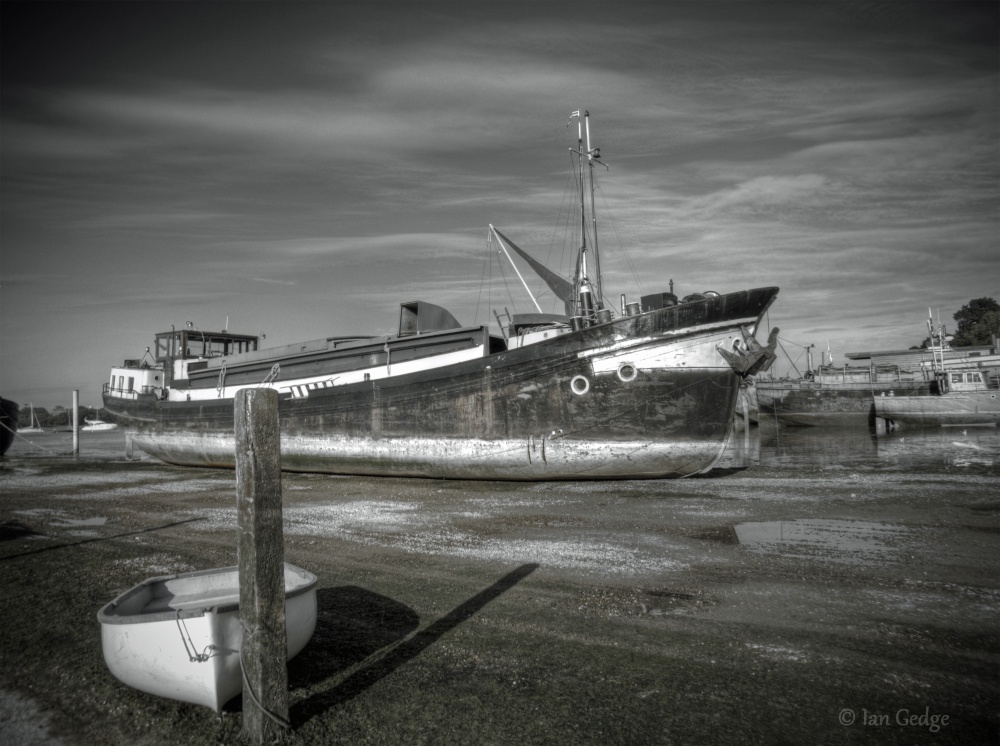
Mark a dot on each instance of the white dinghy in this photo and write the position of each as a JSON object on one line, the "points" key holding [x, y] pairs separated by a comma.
{"points": [[179, 636]]}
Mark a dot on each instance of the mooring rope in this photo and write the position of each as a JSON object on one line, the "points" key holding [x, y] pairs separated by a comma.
{"points": [[221, 385], [277, 719], [27, 440]]}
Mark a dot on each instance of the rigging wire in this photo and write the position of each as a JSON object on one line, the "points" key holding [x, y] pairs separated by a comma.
{"points": [[621, 241], [486, 280], [506, 285], [567, 236], [16, 434], [563, 239], [482, 282]]}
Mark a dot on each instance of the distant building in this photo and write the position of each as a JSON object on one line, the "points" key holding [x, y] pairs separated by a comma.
{"points": [[980, 356]]}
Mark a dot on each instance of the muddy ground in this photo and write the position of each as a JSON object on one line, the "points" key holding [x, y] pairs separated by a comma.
{"points": [[829, 602]]}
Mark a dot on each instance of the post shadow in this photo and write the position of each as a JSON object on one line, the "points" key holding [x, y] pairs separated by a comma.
{"points": [[407, 650], [352, 624]]}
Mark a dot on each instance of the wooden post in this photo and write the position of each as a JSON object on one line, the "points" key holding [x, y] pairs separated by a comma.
{"points": [[260, 551], [75, 420]]}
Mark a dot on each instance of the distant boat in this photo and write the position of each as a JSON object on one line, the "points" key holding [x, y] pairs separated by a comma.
{"points": [[9, 415], [95, 425], [834, 397], [958, 396], [844, 397], [179, 636], [34, 427], [647, 392]]}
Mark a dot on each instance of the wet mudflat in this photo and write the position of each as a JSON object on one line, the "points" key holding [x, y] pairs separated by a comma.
{"points": [[844, 589]]}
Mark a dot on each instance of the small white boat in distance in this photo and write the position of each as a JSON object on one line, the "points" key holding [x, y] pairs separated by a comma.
{"points": [[94, 425], [179, 636], [34, 426]]}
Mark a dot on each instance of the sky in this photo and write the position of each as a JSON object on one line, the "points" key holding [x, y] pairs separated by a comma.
{"points": [[300, 169]]}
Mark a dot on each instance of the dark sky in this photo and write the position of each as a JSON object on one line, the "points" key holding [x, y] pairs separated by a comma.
{"points": [[302, 168]]}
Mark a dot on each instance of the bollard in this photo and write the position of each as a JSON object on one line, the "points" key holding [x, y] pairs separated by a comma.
{"points": [[260, 553], [75, 423]]}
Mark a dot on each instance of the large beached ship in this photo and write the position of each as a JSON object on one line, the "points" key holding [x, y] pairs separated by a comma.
{"points": [[646, 390]]}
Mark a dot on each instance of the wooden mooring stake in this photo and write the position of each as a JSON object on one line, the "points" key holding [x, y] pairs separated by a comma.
{"points": [[260, 551], [75, 423]]}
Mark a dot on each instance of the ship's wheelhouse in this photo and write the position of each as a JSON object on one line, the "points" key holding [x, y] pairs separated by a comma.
{"points": [[185, 344]]}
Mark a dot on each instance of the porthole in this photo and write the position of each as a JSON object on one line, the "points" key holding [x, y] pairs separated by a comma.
{"points": [[627, 372], [580, 385]]}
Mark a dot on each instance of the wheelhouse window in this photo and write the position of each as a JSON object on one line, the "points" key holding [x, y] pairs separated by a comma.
{"points": [[190, 343]]}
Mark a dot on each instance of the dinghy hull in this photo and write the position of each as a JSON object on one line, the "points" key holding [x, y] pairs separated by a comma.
{"points": [[179, 636]]}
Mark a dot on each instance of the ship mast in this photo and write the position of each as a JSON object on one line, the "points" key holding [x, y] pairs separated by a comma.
{"points": [[581, 260], [586, 304], [591, 155]]}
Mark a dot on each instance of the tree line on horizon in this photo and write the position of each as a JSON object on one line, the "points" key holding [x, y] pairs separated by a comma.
{"points": [[977, 323]]}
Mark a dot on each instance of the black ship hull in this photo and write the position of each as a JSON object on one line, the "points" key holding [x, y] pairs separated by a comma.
{"points": [[9, 416]]}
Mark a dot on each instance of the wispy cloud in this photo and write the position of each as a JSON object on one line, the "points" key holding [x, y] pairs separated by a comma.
{"points": [[305, 166]]}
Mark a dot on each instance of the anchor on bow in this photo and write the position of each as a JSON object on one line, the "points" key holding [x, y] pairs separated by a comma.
{"points": [[751, 357]]}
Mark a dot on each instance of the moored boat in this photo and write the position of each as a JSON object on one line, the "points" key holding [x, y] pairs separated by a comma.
{"points": [[649, 391], [179, 636], [34, 426], [958, 396], [92, 426], [834, 397]]}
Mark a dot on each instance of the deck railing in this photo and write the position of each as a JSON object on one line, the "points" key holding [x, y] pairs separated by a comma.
{"points": [[123, 393]]}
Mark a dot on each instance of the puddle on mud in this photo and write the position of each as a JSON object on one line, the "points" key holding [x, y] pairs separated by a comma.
{"points": [[853, 542]]}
